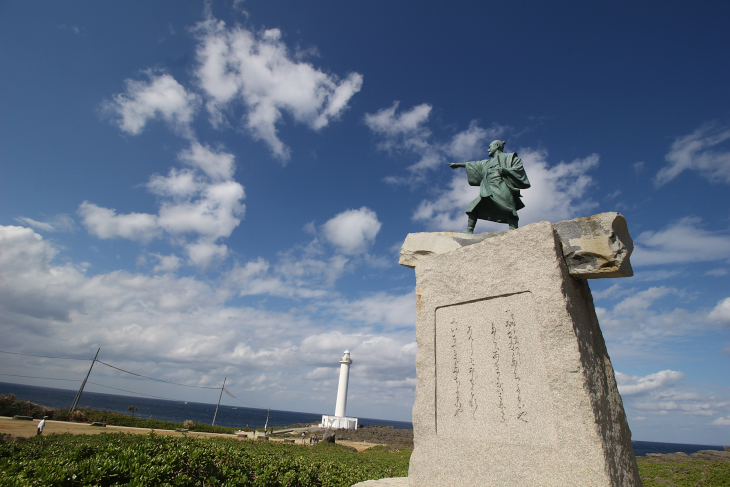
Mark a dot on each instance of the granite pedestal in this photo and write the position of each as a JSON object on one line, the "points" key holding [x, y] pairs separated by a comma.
{"points": [[514, 384]]}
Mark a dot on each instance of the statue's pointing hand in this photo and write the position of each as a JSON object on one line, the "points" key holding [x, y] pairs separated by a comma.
{"points": [[454, 165]]}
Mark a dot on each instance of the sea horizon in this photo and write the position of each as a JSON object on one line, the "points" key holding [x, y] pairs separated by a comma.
{"points": [[240, 416], [175, 410]]}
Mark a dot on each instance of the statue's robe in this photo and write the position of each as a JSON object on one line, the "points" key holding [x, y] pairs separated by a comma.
{"points": [[499, 196]]}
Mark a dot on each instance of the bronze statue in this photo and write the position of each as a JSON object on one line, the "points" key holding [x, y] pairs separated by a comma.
{"points": [[500, 180]]}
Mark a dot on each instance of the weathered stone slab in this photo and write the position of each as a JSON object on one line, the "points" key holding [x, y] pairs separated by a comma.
{"points": [[514, 384], [594, 247], [597, 246]]}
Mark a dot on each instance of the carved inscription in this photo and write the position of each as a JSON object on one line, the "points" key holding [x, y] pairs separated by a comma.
{"points": [[455, 371], [467, 389], [472, 367], [498, 375], [490, 377], [513, 345]]}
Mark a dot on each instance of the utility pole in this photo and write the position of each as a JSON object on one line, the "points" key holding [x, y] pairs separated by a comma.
{"points": [[219, 400], [78, 396]]}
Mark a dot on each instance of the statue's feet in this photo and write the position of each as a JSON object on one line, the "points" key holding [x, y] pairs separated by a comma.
{"points": [[468, 230]]}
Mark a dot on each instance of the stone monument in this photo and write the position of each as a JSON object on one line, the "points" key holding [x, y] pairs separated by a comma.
{"points": [[514, 383]]}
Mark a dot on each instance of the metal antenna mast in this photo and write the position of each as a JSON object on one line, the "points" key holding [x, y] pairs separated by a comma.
{"points": [[219, 400], [78, 395]]}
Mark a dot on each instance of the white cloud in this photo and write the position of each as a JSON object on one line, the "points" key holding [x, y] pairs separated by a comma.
{"points": [[634, 321], [105, 223], [722, 421], [24, 257], [203, 252], [698, 151], [721, 312], [167, 263], [181, 329], [219, 166], [384, 309], [630, 385], [255, 69], [59, 223], [215, 212], [178, 184], [160, 97], [664, 393], [352, 231], [680, 242], [406, 128], [407, 131], [557, 193], [203, 201]]}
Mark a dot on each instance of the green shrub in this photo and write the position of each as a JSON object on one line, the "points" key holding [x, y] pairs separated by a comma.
{"points": [[120, 459]]}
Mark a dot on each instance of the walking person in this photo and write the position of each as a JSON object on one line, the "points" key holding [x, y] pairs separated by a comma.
{"points": [[41, 425]]}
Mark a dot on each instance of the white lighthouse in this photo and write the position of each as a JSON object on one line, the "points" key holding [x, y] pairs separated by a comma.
{"points": [[339, 420]]}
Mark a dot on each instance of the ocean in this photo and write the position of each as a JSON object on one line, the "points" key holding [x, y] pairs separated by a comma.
{"points": [[238, 416], [177, 411]]}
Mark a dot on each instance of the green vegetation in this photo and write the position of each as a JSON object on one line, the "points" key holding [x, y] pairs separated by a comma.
{"points": [[139, 460], [684, 474], [11, 406]]}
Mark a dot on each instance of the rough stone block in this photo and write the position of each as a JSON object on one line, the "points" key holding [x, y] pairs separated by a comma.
{"points": [[594, 247], [597, 246], [514, 384]]}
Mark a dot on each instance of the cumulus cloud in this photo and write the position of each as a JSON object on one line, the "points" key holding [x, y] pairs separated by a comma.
{"points": [[630, 385], [27, 284], [680, 242], [185, 330], [352, 231], [382, 309], [407, 132], [167, 263], [105, 223], [202, 202], [721, 312], [158, 97], [640, 319], [557, 193], [218, 165], [648, 322], [665, 394], [256, 70], [298, 273], [700, 151]]}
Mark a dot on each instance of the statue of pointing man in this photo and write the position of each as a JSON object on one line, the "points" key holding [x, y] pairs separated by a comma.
{"points": [[500, 180]]}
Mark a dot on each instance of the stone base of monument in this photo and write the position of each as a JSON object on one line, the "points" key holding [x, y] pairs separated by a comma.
{"points": [[514, 384]]}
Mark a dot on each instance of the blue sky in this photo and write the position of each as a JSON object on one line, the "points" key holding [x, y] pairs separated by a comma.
{"points": [[221, 189]]}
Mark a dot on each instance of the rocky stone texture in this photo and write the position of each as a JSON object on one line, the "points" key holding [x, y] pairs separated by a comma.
{"points": [[594, 247], [329, 436], [514, 384], [597, 246]]}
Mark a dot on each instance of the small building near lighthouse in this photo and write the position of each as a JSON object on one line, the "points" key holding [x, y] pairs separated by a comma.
{"points": [[339, 420]]}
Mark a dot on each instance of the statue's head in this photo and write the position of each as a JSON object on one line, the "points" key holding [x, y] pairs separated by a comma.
{"points": [[496, 146]]}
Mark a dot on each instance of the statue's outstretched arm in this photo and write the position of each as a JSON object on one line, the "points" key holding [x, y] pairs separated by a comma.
{"points": [[454, 165]]}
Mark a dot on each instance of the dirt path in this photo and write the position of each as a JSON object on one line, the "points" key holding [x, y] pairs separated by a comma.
{"points": [[18, 427]]}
